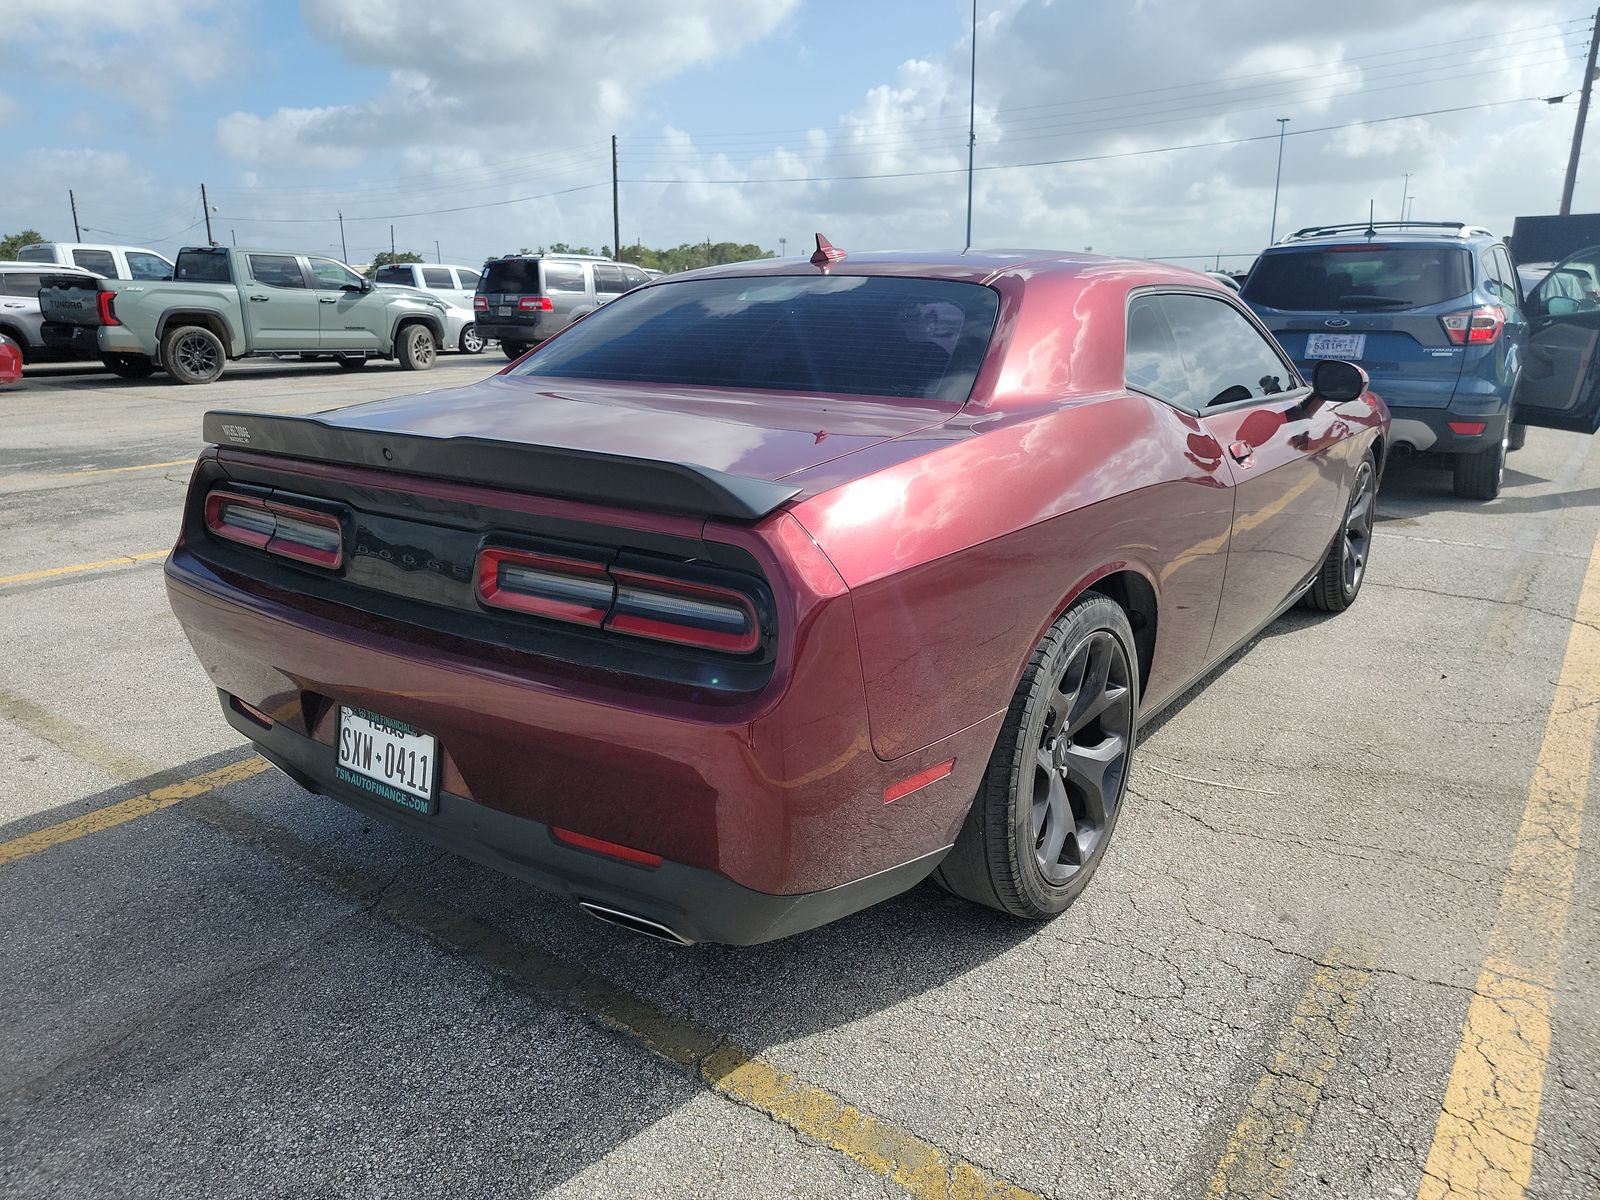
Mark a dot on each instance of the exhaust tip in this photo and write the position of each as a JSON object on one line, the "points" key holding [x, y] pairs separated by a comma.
{"points": [[634, 922]]}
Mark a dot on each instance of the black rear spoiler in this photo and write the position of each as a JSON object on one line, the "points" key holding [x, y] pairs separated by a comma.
{"points": [[542, 470]]}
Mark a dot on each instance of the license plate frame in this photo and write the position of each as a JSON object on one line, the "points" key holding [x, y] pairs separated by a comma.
{"points": [[387, 758], [1347, 346]]}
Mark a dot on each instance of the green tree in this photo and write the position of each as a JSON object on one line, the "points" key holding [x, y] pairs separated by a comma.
{"points": [[12, 242], [384, 257]]}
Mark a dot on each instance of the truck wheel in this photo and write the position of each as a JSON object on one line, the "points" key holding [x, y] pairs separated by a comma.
{"points": [[514, 350], [415, 348], [129, 366], [193, 354]]}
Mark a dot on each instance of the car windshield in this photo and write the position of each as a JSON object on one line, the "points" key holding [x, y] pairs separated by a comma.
{"points": [[1375, 276], [877, 335], [519, 276]]}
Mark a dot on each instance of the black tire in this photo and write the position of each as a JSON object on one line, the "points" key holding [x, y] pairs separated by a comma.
{"points": [[352, 362], [470, 341], [414, 347], [1344, 567], [1478, 476], [193, 354], [514, 350], [129, 366], [1072, 719], [1518, 438]]}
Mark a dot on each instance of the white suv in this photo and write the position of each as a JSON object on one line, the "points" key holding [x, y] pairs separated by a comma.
{"points": [[455, 284]]}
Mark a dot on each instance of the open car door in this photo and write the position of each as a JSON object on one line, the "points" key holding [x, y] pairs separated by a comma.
{"points": [[1560, 383]]}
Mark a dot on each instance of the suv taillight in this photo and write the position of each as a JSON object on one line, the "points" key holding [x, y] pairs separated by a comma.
{"points": [[107, 315], [535, 304], [298, 533], [618, 598], [480, 304], [1474, 326]]}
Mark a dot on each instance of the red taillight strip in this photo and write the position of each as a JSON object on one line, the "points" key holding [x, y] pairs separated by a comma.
{"points": [[583, 841], [103, 304], [564, 589], [288, 532], [915, 783], [689, 614], [1474, 326]]}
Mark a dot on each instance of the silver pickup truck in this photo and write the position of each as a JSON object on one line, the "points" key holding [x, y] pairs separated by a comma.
{"points": [[225, 303]]}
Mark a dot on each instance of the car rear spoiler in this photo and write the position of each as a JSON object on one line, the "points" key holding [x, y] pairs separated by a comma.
{"points": [[541, 470]]}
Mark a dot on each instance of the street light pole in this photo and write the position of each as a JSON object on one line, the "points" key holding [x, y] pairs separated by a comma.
{"points": [[1277, 180], [1405, 193]]}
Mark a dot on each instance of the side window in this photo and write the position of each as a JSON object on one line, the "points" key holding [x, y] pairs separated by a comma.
{"points": [[1152, 363], [148, 266], [276, 270], [609, 280], [563, 276], [21, 283], [1508, 275], [1226, 359], [467, 281], [333, 276], [98, 261], [1494, 278], [437, 277], [634, 276]]}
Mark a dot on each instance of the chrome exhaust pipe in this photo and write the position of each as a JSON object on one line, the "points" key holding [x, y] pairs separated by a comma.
{"points": [[634, 922]]}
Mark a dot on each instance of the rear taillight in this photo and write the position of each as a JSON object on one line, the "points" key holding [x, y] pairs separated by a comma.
{"points": [[535, 304], [298, 533], [620, 599], [1474, 326], [107, 315], [480, 304]]}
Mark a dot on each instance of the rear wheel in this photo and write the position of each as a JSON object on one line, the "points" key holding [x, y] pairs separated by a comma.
{"points": [[415, 347], [129, 366], [1056, 781], [514, 350], [1478, 476], [1339, 581], [353, 362], [193, 354], [471, 341], [1518, 438]]}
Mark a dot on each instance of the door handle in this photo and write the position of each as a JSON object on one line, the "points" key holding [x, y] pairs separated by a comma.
{"points": [[1243, 453], [327, 300], [261, 299]]}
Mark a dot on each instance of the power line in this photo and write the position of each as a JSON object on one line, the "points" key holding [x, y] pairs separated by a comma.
{"points": [[432, 212]]}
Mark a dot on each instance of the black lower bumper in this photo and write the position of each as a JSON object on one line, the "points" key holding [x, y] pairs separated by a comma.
{"points": [[695, 904], [77, 341], [517, 332], [1427, 430]]}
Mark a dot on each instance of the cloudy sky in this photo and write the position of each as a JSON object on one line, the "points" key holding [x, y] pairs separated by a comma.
{"points": [[1145, 127]]}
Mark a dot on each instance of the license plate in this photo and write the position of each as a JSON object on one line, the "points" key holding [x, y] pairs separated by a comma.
{"points": [[387, 758], [505, 310], [1335, 345]]}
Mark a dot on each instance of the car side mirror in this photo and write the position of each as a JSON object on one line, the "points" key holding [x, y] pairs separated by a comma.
{"points": [[1337, 381]]}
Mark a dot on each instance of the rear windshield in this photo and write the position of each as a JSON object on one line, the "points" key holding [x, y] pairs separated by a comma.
{"points": [[878, 336], [21, 283], [393, 275], [517, 276], [202, 266], [36, 254], [1379, 277]]}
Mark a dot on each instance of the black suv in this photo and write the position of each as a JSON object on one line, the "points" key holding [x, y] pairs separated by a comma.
{"points": [[524, 298]]}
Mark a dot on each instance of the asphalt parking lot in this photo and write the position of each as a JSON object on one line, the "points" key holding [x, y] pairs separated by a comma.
{"points": [[1345, 943]]}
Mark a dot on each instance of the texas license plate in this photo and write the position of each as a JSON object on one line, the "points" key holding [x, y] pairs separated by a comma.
{"points": [[387, 758], [1335, 345]]}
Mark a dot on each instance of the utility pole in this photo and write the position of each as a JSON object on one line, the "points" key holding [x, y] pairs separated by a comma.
{"points": [[972, 118], [616, 212], [206, 205], [344, 250], [77, 234], [1405, 194], [783, 247], [234, 236], [708, 251], [1583, 115], [1283, 124], [391, 243], [437, 256]]}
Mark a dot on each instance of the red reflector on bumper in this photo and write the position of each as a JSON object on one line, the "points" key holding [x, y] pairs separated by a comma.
{"points": [[250, 711], [915, 783], [582, 841], [1468, 428]]}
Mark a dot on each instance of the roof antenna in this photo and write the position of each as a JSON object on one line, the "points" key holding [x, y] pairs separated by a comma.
{"points": [[1371, 209], [826, 254]]}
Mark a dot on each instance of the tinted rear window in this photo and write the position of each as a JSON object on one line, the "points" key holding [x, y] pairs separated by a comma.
{"points": [[393, 275], [20, 283], [99, 261], [518, 276], [1379, 277], [878, 336], [564, 277], [36, 254], [202, 266]]}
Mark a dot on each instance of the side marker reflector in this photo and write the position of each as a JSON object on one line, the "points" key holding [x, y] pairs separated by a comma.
{"points": [[915, 783], [1468, 428], [582, 841]]}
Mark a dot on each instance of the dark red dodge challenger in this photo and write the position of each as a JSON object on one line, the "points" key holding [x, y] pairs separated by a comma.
{"points": [[769, 590]]}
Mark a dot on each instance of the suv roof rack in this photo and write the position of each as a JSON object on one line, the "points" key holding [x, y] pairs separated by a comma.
{"points": [[1371, 227]]}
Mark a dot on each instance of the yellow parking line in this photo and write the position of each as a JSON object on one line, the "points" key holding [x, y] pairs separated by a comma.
{"points": [[1483, 1142], [30, 844], [85, 472], [51, 572], [1264, 1144]]}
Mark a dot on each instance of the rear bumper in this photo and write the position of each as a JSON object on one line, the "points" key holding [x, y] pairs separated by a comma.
{"points": [[696, 904], [72, 341], [526, 332], [1428, 429]]}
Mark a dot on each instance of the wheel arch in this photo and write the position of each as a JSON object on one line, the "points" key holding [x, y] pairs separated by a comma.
{"points": [[434, 326], [214, 321], [18, 335], [1135, 594]]}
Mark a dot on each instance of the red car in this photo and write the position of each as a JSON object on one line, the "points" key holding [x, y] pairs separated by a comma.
{"points": [[10, 360], [766, 591]]}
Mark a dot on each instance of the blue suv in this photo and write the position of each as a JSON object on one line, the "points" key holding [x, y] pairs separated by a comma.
{"points": [[1435, 313]]}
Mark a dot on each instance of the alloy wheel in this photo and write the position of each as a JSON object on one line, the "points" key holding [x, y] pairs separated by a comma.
{"points": [[472, 341], [1358, 527], [197, 355], [1082, 758], [421, 346]]}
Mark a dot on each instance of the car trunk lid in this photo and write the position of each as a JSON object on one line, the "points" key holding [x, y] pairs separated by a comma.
{"points": [[70, 299]]}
